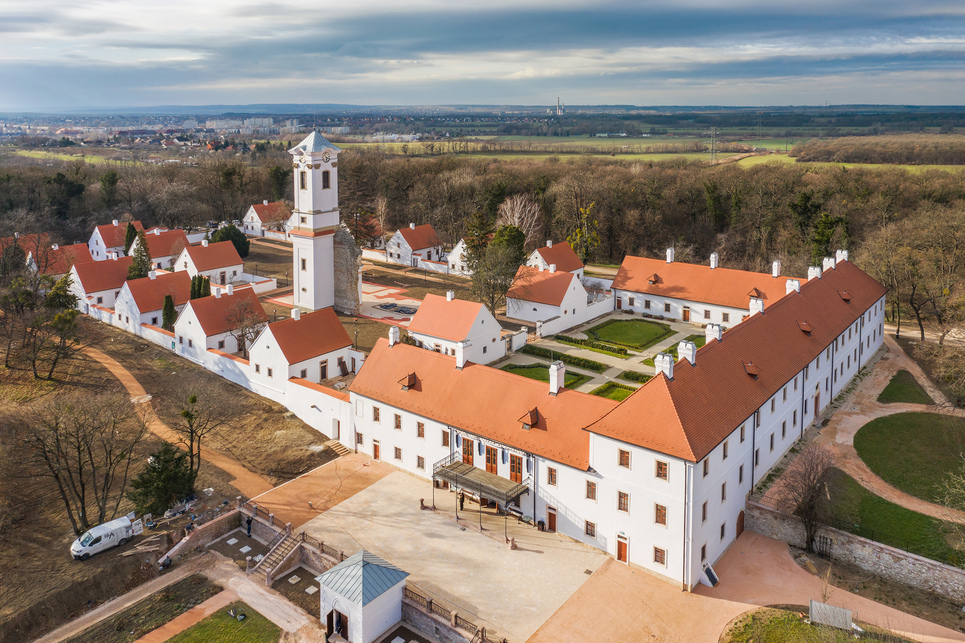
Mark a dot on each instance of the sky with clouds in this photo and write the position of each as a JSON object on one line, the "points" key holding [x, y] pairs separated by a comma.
{"points": [[110, 53]]}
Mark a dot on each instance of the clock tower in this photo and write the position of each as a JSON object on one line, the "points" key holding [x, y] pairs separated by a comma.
{"points": [[314, 222]]}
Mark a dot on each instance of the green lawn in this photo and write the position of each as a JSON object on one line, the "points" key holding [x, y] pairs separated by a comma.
{"points": [[768, 625], [913, 452], [221, 628], [855, 509], [614, 391], [903, 387], [636, 334], [542, 373]]}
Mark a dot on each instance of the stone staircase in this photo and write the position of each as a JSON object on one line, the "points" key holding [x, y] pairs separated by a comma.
{"points": [[338, 447], [275, 556]]}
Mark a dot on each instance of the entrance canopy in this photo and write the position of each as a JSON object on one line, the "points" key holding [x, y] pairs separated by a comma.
{"points": [[484, 484]]}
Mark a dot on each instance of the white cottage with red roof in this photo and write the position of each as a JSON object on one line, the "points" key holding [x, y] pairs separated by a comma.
{"points": [[443, 322], [552, 299], [414, 246], [163, 246], [560, 255], [219, 262], [141, 301], [98, 282], [107, 239], [213, 322], [56, 261], [265, 216]]}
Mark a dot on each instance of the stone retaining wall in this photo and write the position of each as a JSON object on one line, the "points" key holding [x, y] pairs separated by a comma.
{"points": [[894, 564], [430, 625]]}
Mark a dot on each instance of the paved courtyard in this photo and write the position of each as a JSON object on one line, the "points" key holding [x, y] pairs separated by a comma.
{"points": [[511, 592]]}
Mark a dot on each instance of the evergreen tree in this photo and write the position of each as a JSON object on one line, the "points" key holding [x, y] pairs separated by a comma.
{"points": [[235, 236], [141, 264], [205, 287], [169, 314], [512, 238], [129, 237], [166, 479], [477, 238], [60, 297]]}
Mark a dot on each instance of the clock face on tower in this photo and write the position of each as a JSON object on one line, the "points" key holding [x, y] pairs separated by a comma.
{"points": [[326, 157]]}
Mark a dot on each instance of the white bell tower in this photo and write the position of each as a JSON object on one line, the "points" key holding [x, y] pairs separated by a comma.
{"points": [[314, 221]]}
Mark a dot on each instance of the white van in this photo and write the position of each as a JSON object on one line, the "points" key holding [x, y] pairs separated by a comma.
{"points": [[110, 534]]}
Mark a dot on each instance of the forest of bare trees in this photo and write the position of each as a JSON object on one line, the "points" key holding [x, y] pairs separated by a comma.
{"points": [[912, 149]]}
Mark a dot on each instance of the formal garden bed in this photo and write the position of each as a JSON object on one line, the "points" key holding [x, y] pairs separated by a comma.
{"points": [[903, 387], [614, 391], [572, 360], [541, 372], [635, 334]]}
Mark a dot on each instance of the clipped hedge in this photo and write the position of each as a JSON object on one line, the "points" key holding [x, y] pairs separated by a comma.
{"points": [[546, 353], [634, 376], [589, 343]]}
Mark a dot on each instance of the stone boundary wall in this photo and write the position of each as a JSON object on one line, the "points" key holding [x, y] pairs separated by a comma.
{"points": [[430, 625], [207, 533], [894, 564]]}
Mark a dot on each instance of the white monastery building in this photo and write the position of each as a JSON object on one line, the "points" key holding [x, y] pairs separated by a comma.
{"points": [[110, 238], [414, 246], [219, 262], [99, 282], [56, 261], [213, 322], [560, 255], [266, 216], [443, 323], [163, 247], [141, 301]]}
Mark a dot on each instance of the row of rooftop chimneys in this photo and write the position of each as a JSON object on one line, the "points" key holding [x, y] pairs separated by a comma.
{"points": [[813, 271]]}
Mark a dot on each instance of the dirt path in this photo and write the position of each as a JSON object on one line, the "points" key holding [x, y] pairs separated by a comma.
{"points": [[248, 483], [861, 408]]}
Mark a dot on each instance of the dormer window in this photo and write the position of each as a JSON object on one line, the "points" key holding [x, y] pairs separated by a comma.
{"points": [[408, 381], [751, 370], [530, 419], [806, 327]]}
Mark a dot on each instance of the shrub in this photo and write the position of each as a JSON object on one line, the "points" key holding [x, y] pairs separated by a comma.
{"points": [[546, 353], [634, 376], [589, 343]]}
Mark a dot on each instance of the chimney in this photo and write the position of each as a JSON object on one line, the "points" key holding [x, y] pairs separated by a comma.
{"points": [[814, 272], [217, 293], [663, 363], [549, 243], [757, 305], [296, 313], [461, 357], [776, 269], [157, 231], [688, 351], [713, 331], [541, 267], [840, 255], [265, 202], [115, 222], [393, 335], [204, 243], [792, 285], [112, 255], [714, 260], [152, 274], [229, 289], [557, 377], [828, 264], [54, 247], [16, 235], [669, 255], [552, 268], [412, 226], [450, 295]]}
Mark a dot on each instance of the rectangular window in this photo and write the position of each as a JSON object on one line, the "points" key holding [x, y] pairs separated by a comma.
{"points": [[516, 468], [191, 345], [303, 180], [666, 308], [326, 180], [358, 438], [420, 462], [785, 394], [623, 501], [703, 553], [706, 467], [795, 384], [757, 418], [181, 342], [740, 475], [723, 492], [703, 512], [706, 314], [783, 429], [590, 490], [420, 429], [257, 368], [725, 450], [398, 422], [772, 442], [630, 301], [646, 304], [723, 530], [220, 344], [725, 317], [663, 470], [660, 515], [590, 529], [659, 556], [304, 265], [269, 370], [375, 413], [742, 434], [624, 459], [794, 418], [304, 373], [757, 457], [551, 476], [445, 438], [398, 453], [153, 321], [772, 404]]}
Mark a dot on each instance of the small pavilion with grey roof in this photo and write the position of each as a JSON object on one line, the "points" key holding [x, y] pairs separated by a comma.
{"points": [[361, 598]]}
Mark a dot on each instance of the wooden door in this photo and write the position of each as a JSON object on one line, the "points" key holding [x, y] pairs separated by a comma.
{"points": [[516, 468], [622, 554], [551, 518], [619, 303], [817, 404], [686, 314], [467, 451], [223, 278], [740, 523], [491, 464], [375, 450]]}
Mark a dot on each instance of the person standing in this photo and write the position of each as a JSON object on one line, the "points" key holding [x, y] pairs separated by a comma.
{"points": [[248, 525]]}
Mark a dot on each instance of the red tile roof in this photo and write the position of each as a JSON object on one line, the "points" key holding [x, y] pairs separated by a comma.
{"points": [[423, 236], [687, 417], [214, 256], [272, 212], [562, 255], [27, 242], [166, 244], [220, 314], [97, 276], [314, 334], [149, 293], [542, 287], [59, 261], [697, 283], [114, 235], [483, 400], [450, 320]]}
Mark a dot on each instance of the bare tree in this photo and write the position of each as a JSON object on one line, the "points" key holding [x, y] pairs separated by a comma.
{"points": [[382, 214], [197, 407], [246, 319], [522, 211], [803, 488], [83, 444], [493, 276]]}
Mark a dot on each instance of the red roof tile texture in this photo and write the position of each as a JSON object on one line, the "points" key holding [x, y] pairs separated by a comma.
{"points": [[98, 276], [149, 293], [59, 261], [542, 287], [272, 212], [221, 314], [687, 417], [697, 283], [214, 256], [423, 236], [314, 334], [450, 320], [482, 400], [562, 255], [115, 235], [166, 244]]}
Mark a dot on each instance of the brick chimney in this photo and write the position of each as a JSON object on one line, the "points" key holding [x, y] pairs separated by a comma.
{"points": [[714, 260], [461, 357], [549, 243], [663, 363], [792, 285], [688, 351], [756, 305], [296, 314], [670, 255], [393, 335], [557, 377], [814, 272], [713, 331], [776, 269], [450, 295]]}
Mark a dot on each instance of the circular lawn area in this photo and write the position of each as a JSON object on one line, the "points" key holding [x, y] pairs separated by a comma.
{"points": [[913, 452]]}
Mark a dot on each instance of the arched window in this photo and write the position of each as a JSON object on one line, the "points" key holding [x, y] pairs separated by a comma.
{"points": [[302, 180], [326, 180]]}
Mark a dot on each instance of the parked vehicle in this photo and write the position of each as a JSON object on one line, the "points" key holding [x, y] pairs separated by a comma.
{"points": [[97, 539]]}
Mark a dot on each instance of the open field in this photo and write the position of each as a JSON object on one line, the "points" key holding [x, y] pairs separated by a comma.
{"points": [[87, 157], [903, 387], [783, 158]]}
